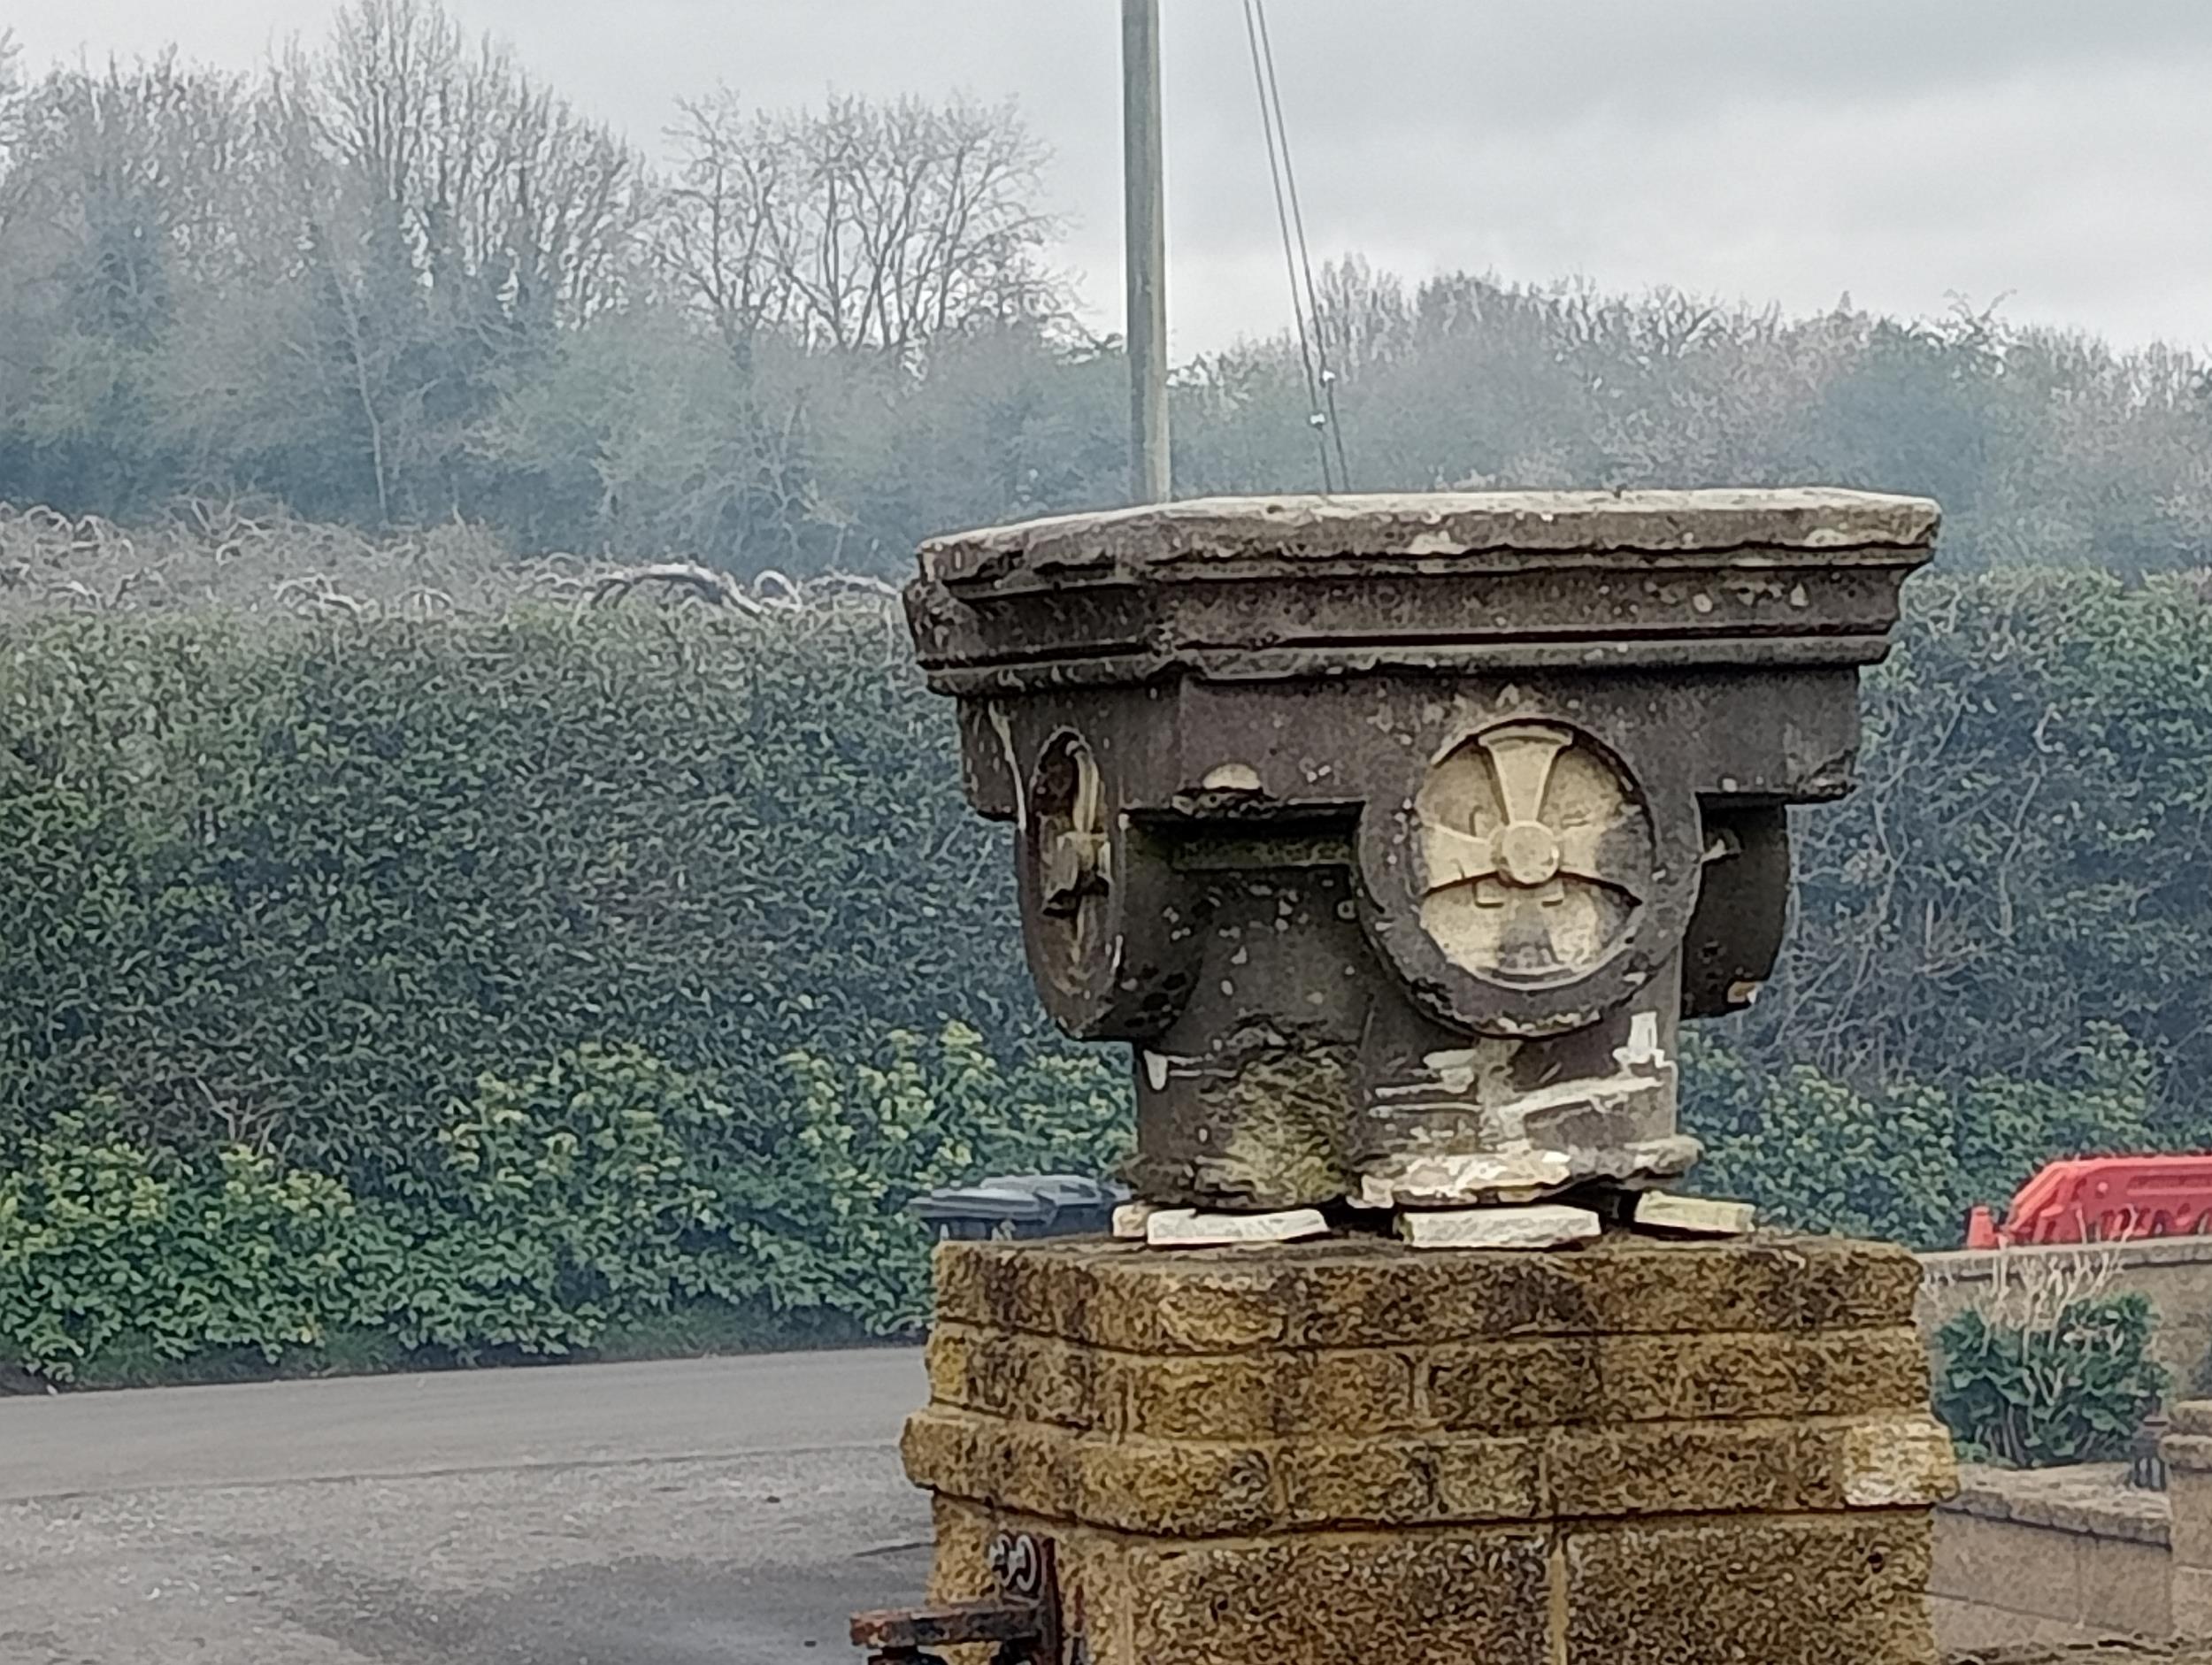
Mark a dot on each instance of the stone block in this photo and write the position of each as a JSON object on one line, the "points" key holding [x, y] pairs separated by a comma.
{"points": [[1373, 1292], [1773, 1592], [1407, 1599], [1500, 1386], [1695, 1216], [1694, 1468], [1033, 1378], [1898, 1462], [1407, 1482], [1194, 1228], [1730, 1376], [1643, 1286], [2189, 1498], [1317, 1395], [2190, 1594], [1536, 1226], [2126, 1588]]}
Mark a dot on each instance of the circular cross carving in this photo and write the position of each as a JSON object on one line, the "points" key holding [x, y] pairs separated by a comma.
{"points": [[1536, 852]]}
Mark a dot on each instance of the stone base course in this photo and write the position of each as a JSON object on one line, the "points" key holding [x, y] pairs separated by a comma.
{"points": [[1354, 1451]]}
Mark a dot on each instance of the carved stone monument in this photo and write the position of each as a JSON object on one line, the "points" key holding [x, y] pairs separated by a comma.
{"points": [[1397, 835]]}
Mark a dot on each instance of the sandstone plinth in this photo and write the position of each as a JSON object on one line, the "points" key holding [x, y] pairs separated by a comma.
{"points": [[1356, 1451]]}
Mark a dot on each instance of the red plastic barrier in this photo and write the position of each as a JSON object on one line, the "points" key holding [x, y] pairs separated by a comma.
{"points": [[2103, 1200]]}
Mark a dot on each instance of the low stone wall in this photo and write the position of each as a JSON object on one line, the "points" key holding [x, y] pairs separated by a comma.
{"points": [[2174, 1273], [2052, 1555], [2069, 1556]]}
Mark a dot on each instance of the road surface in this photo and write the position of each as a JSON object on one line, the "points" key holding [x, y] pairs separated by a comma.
{"points": [[728, 1511]]}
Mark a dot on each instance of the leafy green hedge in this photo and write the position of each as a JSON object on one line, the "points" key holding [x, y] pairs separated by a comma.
{"points": [[2025, 859], [1907, 1160], [605, 1188], [295, 884], [340, 952]]}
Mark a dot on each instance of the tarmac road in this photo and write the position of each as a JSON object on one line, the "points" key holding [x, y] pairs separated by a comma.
{"points": [[731, 1511]]}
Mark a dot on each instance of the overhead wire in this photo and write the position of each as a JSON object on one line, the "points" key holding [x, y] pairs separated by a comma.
{"points": [[1274, 96], [1261, 61]]}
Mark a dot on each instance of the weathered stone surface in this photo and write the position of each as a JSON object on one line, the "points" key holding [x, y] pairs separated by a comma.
{"points": [[1398, 835], [1430, 526], [1411, 1482], [1845, 1592], [1897, 1462], [1130, 1219], [1314, 1395], [1829, 1373], [1183, 1424], [1695, 1216], [1539, 1226], [1190, 1228], [1421, 1599], [1370, 1292], [1380, 825]]}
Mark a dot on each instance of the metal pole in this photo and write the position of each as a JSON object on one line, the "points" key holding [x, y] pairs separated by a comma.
{"points": [[1145, 171]]}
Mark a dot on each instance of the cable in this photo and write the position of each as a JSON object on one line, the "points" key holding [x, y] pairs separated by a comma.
{"points": [[1290, 260], [1274, 95]]}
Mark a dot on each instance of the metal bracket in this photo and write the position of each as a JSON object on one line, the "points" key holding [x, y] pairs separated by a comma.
{"points": [[1023, 1618]]}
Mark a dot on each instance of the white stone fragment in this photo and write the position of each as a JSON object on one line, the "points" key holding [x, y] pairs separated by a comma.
{"points": [[1130, 1220], [1188, 1228], [1546, 1225], [1699, 1216]]}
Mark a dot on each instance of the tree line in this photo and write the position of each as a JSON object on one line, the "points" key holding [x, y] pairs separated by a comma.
{"points": [[391, 280]]}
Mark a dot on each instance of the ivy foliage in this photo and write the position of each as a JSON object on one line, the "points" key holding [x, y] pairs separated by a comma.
{"points": [[294, 884], [2074, 1389], [2023, 864]]}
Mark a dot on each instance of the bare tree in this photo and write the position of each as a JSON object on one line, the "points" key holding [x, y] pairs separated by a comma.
{"points": [[450, 213], [865, 225]]}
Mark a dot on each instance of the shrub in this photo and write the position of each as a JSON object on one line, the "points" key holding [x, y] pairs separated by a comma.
{"points": [[2066, 1385], [296, 884], [604, 1190], [103, 1239]]}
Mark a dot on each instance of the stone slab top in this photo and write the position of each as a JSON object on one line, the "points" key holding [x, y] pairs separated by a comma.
{"points": [[2091, 1499], [1753, 524], [1368, 1292]]}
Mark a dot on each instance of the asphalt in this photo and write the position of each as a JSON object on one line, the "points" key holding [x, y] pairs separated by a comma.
{"points": [[733, 1511]]}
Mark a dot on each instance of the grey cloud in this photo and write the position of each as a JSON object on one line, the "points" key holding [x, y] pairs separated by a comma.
{"points": [[1788, 150]]}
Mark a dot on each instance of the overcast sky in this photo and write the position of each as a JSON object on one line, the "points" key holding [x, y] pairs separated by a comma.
{"points": [[2058, 151]]}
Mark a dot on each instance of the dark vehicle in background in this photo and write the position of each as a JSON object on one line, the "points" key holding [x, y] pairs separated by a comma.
{"points": [[1022, 1206]]}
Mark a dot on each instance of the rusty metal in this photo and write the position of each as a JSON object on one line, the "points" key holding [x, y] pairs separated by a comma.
{"points": [[1023, 1618]]}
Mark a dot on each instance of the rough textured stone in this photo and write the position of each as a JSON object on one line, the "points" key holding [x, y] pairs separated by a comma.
{"points": [[1316, 1395], [1898, 1462], [1728, 1377], [1407, 1599], [1385, 1427], [1441, 774], [1848, 1591], [1189, 1228], [1695, 1216], [1370, 1292], [1540, 1226]]}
